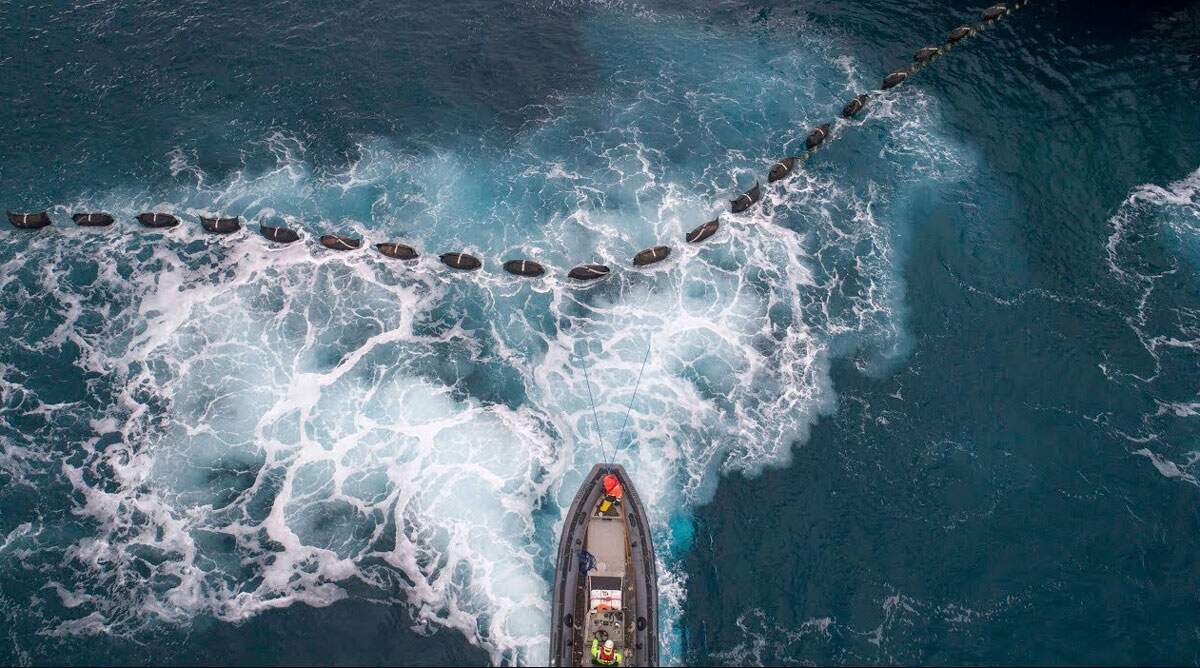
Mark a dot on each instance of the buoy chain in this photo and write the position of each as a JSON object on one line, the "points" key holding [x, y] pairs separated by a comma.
{"points": [[783, 168]]}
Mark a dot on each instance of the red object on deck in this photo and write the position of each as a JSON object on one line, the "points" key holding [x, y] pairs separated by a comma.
{"points": [[612, 486]]}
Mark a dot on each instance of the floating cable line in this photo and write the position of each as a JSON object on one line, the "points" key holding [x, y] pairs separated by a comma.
{"points": [[528, 268], [616, 446]]}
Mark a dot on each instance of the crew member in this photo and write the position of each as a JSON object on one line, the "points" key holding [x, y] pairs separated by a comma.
{"points": [[612, 492], [606, 655]]}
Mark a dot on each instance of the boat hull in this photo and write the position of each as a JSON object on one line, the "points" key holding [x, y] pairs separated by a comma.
{"points": [[573, 617]]}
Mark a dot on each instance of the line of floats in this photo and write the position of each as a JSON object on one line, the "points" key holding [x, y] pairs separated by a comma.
{"points": [[530, 268]]}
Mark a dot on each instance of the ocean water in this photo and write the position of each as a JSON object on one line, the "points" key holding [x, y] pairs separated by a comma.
{"points": [[935, 400]]}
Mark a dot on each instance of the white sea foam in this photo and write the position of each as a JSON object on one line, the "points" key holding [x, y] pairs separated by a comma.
{"points": [[881, 634], [281, 425], [1167, 467], [1155, 234]]}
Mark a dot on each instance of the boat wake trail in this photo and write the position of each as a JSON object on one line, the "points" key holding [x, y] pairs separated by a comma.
{"points": [[237, 426]]}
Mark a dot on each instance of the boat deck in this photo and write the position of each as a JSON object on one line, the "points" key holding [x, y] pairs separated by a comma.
{"points": [[606, 540], [617, 599]]}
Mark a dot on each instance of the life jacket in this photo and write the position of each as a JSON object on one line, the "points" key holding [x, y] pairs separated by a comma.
{"points": [[612, 486], [607, 658], [601, 657], [612, 491]]}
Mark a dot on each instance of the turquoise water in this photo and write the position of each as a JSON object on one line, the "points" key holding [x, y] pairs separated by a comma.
{"points": [[935, 400]]}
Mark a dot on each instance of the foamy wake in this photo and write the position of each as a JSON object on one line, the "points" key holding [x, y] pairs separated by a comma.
{"points": [[1155, 238], [763, 641], [269, 426]]}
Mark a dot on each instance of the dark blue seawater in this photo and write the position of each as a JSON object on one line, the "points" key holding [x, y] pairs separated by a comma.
{"points": [[936, 400]]}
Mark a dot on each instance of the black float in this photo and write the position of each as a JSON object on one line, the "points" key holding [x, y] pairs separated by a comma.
{"points": [[92, 219], [157, 220], [340, 243], [221, 225], [651, 256], [281, 235], [703, 232], [29, 221], [460, 261], [588, 272], [747, 199], [397, 251], [526, 268]]}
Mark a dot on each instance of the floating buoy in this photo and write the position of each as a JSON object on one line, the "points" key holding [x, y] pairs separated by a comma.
{"points": [[781, 169], [29, 221], [92, 219], [397, 251], [703, 232], [959, 34], [854, 106], [527, 268], [221, 225], [588, 272], [157, 220], [281, 235], [339, 243], [926, 54], [894, 79], [747, 199], [817, 137], [460, 261], [651, 256]]}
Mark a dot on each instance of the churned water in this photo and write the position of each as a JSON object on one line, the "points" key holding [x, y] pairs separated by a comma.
{"points": [[936, 399]]}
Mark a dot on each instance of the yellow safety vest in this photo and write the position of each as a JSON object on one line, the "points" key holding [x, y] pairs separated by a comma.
{"points": [[615, 660]]}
